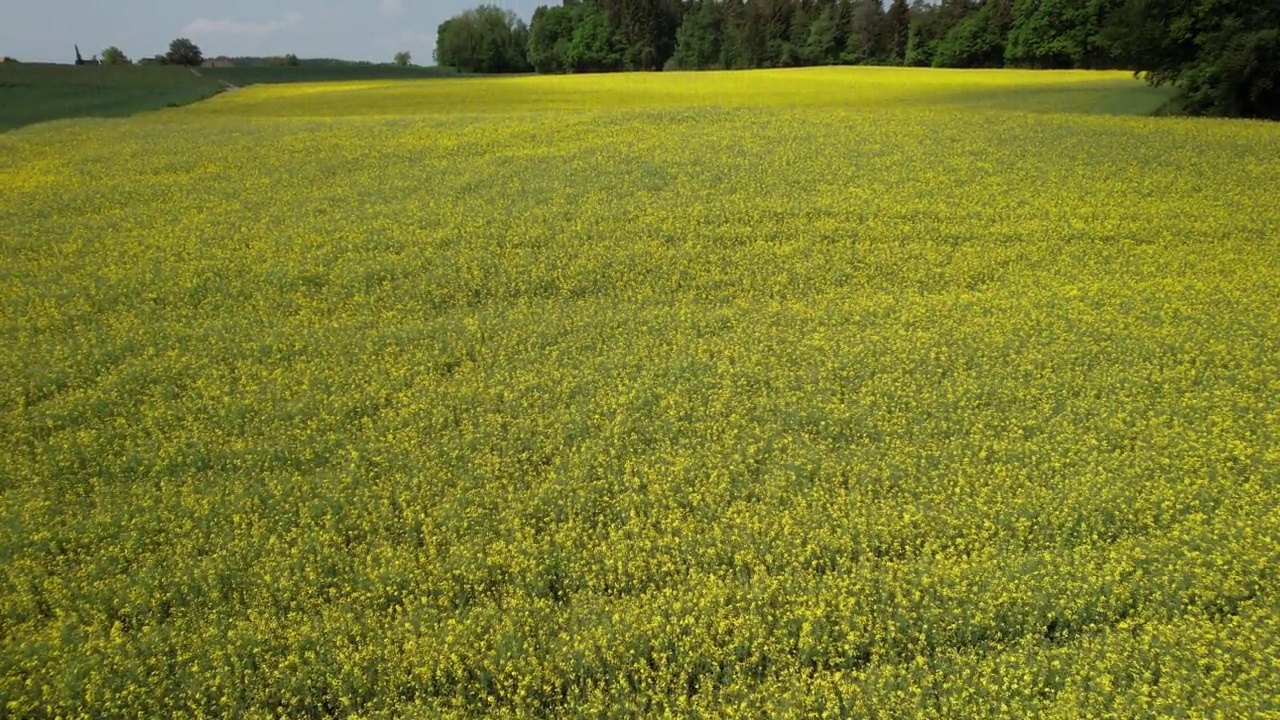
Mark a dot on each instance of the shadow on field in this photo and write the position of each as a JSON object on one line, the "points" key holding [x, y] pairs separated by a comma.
{"points": [[38, 93], [1102, 98], [34, 93], [307, 72]]}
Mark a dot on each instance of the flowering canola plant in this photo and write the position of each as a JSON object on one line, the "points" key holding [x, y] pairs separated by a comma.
{"points": [[822, 393]]}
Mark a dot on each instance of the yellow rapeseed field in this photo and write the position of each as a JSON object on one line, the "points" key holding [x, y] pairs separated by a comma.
{"points": [[817, 393]]}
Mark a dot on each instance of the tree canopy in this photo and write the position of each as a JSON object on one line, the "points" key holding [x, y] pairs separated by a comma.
{"points": [[114, 56], [184, 52], [1222, 55], [487, 39]]}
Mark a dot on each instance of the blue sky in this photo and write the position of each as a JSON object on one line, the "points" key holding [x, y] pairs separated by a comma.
{"points": [[45, 30]]}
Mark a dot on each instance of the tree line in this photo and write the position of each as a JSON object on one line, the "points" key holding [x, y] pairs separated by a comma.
{"points": [[1222, 55], [181, 52], [186, 53]]}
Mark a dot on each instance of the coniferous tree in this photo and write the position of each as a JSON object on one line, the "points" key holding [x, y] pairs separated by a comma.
{"points": [[797, 37], [735, 48], [698, 42], [865, 34], [823, 44], [897, 24]]}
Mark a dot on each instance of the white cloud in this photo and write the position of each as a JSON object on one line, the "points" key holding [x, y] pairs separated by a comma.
{"points": [[205, 26], [391, 8]]}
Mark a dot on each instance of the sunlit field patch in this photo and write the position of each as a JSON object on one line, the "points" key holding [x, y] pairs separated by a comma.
{"points": [[831, 392]]}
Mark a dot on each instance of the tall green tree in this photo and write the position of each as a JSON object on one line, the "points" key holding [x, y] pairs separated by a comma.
{"points": [[699, 39], [737, 49], [1222, 55], [779, 15], [1060, 34], [487, 39], [184, 52], [865, 33], [978, 41], [550, 33], [896, 27], [930, 24], [595, 45], [797, 37], [823, 44]]}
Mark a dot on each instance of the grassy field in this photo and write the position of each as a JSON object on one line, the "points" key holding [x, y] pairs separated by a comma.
{"points": [[41, 92], [833, 392], [258, 75], [38, 93]]}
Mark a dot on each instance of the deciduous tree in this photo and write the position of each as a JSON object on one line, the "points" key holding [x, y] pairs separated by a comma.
{"points": [[184, 52], [113, 56]]}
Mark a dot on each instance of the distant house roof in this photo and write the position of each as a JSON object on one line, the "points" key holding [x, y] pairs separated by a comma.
{"points": [[219, 62]]}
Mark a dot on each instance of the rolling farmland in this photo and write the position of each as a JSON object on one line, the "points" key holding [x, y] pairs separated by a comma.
{"points": [[853, 392]]}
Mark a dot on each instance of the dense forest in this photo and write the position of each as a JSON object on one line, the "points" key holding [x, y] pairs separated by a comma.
{"points": [[1223, 55]]}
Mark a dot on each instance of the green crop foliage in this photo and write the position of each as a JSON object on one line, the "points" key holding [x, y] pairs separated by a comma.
{"points": [[38, 93], [319, 71], [817, 393], [34, 93]]}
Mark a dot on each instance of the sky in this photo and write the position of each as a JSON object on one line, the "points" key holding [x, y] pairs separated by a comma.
{"points": [[47, 30]]}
